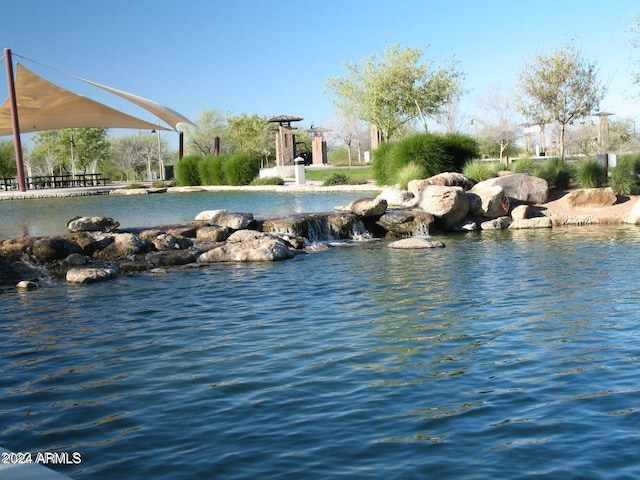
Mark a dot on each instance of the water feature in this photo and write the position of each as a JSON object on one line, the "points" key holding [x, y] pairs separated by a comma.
{"points": [[509, 354], [49, 216]]}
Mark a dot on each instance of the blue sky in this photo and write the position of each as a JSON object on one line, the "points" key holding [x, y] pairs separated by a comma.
{"points": [[274, 57]]}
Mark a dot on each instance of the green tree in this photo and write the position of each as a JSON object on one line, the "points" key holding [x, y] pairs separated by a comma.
{"points": [[7, 159], [394, 89], [72, 149], [560, 87], [200, 138], [249, 134]]}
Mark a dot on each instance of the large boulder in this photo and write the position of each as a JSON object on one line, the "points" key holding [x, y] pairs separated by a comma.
{"points": [[92, 224], [591, 197], [249, 247], [368, 207], [520, 187], [90, 275], [51, 248], [397, 197], [488, 201], [448, 204], [234, 221], [633, 217], [401, 223]]}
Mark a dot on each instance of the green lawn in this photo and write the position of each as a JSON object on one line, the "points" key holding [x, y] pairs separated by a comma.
{"points": [[321, 174]]}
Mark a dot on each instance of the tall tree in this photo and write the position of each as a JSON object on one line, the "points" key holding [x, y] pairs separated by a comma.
{"points": [[394, 89], [560, 87], [7, 159], [200, 138], [498, 125], [71, 149], [249, 134]]}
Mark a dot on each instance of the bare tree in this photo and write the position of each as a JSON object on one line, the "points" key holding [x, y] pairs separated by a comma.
{"points": [[499, 124]]}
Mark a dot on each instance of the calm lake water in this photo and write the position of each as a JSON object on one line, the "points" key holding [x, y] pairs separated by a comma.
{"points": [[508, 354]]}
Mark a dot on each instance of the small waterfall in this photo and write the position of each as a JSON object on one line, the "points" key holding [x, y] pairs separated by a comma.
{"points": [[421, 230]]}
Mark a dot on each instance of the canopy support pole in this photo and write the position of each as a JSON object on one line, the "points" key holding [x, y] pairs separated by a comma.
{"points": [[17, 144]]}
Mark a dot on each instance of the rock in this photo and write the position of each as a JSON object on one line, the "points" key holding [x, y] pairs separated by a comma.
{"points": [[249, 247], [538, 222], [27, 285], [407, 222], [235, 221], [166, 241], [415, 243], [91, 242], [488, 201], [124, 244], [134, 266], [496, 224], [368, 207], [397, 197], [90, 275], [520, 187], [448, 204], [416, 186], [520, 212], [466, 225], [451, 179], [76, 260], [294, 225], [591, 197], [92, 224], [215, 233], [171, 257], [633, 217], [129, 191], [48, 249], [207, 215], [188, 231]]}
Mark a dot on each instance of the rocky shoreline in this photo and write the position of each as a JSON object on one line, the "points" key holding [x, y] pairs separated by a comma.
{"points": [[96, 249]]}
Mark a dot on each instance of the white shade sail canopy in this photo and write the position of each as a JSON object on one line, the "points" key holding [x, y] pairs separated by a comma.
{"points": [[43, 105], [166, 114]]}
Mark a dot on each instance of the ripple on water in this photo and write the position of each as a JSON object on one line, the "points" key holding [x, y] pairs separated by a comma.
{"points": [[496, 357]]}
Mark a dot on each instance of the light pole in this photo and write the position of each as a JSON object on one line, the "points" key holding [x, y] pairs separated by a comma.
{"points": [[160, 162], [73, 161]]}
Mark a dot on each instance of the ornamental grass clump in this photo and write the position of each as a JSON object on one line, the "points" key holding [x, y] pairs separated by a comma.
{"points": [[590, 174], [434, 153], [411, 171], [557, 173], [186, 171], [267, 181], [479, 171], [624, 179]]}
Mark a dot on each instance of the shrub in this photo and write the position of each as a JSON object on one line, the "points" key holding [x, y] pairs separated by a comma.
{"points": [[479, 171], [525, 165], [186, 170], [381, 165], [590, 174], [268, 181], [411, 171], [460, 148], [241, 169], [557, 173], [211, 170], [133, 186], [337, 179], [624, 179], [432, 152], [158, 183]]}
